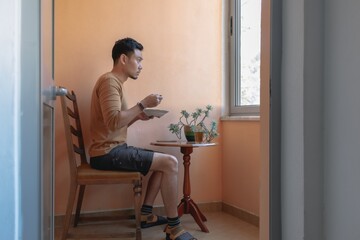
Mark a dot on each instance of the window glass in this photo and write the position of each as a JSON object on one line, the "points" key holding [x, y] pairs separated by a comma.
{"points": [[245, 36]]}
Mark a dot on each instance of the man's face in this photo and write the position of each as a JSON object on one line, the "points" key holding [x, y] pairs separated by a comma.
{"points": [[133, 64]]}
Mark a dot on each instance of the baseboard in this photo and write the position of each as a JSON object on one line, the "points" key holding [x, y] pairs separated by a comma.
{"points": [[241, 214], [204, 207]]}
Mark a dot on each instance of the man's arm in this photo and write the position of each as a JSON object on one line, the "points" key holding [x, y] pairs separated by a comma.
{"points": [[142, 116], [116, 118]]}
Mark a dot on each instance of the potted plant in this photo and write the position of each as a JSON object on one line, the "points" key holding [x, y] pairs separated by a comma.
{"points": [[194, 122]]}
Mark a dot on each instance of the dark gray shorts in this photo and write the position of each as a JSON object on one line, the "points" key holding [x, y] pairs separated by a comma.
{"points": [[125, 158]]}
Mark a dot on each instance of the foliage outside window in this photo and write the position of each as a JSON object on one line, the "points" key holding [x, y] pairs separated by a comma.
{"points": [[245, 36]]}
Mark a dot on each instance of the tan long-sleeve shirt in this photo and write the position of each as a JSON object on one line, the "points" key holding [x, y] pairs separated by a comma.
{"points": [[106, 102]]}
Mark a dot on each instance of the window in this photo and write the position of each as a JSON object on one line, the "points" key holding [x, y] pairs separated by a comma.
{"points": [[245, 36]]}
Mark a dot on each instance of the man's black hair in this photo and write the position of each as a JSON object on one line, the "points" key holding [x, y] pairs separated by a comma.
{"points": [[125, 46]]}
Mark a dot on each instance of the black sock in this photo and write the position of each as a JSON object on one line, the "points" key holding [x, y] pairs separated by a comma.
{"points": [[173, 222], [146, 209]]}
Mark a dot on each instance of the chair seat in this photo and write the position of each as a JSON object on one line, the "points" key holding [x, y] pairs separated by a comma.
{"points": [[88, 175]]}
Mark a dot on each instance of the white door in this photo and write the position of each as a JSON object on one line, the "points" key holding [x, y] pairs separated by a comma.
{"points": [[48, 96], [27, 124]]}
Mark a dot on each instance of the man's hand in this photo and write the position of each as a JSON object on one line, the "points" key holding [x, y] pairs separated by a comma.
{"points": [[142, 116], [152, 100]]}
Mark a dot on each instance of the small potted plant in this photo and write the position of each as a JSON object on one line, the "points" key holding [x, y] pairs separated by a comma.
{"points": [[194, 122]]}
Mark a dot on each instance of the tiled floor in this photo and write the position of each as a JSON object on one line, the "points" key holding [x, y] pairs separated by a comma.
{"points": [[222, 226]]}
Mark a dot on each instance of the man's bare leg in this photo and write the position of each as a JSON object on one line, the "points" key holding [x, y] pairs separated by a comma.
{"points": [[162, 165], [148, 219], [168, 166], [153, 188]]}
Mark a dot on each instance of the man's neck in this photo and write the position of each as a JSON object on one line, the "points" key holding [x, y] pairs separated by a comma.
{"points": [[119, 75]]}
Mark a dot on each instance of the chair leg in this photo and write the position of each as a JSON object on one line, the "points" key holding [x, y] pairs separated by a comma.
{"points": [[137, 207], [69, 208], [78, 205]]}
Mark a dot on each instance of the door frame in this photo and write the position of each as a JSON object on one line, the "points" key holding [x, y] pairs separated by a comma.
{"points": [[275, 121], [31, 114], [22, 206]]}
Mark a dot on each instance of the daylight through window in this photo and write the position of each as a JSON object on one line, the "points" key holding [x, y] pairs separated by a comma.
{"points": [[245, 34]]}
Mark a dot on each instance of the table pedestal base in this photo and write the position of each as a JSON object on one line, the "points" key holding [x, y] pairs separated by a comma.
{"points": [[187, 206]]}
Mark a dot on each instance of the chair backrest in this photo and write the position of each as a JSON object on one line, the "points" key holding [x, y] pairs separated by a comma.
{"points": [[73, 132]]}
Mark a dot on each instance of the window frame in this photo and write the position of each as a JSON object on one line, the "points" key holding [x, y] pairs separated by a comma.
{"points": [[234, 58]]}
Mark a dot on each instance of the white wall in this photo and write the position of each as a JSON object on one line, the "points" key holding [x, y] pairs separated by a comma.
{"points": [[292, 147], [9, 62], [320, 115], [20, 120], [342, 118]]}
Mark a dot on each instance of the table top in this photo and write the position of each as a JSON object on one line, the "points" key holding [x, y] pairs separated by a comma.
{"points": [[181, 144]]}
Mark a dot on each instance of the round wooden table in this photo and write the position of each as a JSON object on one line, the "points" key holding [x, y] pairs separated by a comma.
{"points": [[187, 205]]}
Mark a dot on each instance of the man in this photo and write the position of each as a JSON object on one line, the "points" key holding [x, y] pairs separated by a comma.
{"points": [[110, 118]]}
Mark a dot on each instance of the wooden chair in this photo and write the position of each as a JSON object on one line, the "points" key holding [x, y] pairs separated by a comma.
{"points": [[81, 174]]}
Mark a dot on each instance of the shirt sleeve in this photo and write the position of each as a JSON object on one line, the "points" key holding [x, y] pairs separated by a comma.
{"points": [[110, 97]]}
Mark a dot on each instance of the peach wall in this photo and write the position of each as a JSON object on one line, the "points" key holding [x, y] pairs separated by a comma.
{"points": [[182, 55], [241, 164]]}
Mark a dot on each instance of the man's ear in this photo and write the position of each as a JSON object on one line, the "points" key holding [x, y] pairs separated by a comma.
{"points": [[122, 59]]}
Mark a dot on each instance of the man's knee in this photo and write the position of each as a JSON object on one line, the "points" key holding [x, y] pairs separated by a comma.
{"points": [[169, 164], [165, 163], [172, 163]]}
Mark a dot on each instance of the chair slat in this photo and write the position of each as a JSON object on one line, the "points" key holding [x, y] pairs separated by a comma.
{"points": [[78, 150], [71, 97], [72, 114], [75, 132]]}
